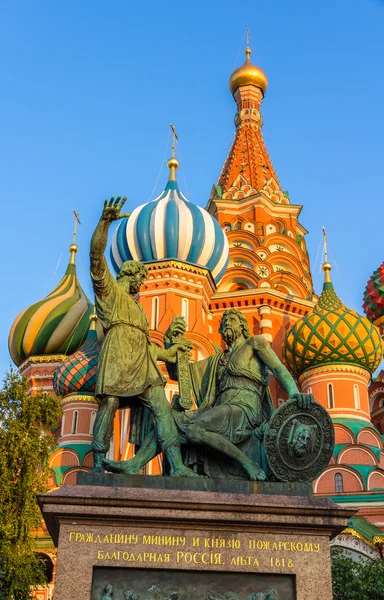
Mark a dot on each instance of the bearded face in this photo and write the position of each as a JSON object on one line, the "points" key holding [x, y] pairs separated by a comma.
{"points": [[230, 328], [131, 283], [301, 440]]}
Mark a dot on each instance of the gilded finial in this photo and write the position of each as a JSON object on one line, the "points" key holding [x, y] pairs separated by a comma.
{"points": [[247, 49], [248, 74], [73, 247], [93, 318], [173, 163], [326, 264]]}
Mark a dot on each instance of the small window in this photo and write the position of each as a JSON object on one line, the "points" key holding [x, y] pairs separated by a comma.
{"points": [[356, 395], [74, 421], [339, 488], [155, 313], [331, 401], [62, 424], [185, 310], [92, 422], [309, 391]]}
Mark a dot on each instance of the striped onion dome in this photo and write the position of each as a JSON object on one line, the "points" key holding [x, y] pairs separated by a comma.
{"points": [[330, 334], [58, 324], [77, 374], [171, 227]]}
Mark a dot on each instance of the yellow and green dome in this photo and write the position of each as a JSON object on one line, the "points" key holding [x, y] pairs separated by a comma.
{"points": [[332, 333], [58, 324]]}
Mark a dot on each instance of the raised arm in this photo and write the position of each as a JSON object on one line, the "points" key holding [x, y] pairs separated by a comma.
{"points": [[281, 373], [111, 212]]}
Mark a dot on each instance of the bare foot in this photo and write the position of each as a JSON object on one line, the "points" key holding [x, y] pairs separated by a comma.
{"points": [[122, 466], [255, 473]]}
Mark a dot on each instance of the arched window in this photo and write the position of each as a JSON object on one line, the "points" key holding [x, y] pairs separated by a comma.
{"points": [[339, 488], [356, 395], [92, 422], [74, 421], [331, 401], [155, 312], [309, 390], [185, 310], [62, 424]]}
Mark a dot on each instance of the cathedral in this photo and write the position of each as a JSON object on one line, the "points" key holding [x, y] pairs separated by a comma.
{"points": [[245, 250]]}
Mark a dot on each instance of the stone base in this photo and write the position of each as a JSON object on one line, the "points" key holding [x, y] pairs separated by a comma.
{"points": [[156, 538], [197, 484]]}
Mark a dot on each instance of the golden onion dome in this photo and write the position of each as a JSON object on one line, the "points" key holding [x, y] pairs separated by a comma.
{"points": [[248, 74], [332, 334]]}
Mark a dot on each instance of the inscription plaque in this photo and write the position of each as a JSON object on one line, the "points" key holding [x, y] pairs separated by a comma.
{"points": [[116, 583]]}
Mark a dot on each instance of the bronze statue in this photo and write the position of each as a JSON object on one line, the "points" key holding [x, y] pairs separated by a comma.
{"points": [[130, 595], [127, 373], [108, 592], [265, 595], [233, 399]]}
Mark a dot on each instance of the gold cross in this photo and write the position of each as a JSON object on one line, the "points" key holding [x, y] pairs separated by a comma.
{"points": [[77, 222], [325, 245], [174, 139]]}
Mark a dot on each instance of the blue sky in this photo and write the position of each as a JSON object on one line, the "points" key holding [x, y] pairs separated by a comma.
{"points": [[89, 89]]}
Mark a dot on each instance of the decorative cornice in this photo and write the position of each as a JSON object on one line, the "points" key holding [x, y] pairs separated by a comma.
{"points": [[362, 538], [78, 398], [49, 358], [347, 540], [378, 539], [286, 299], [338, 368], [184, 266]]}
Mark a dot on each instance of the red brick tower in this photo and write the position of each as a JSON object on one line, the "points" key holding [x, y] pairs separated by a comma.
{"points": [[268, 277]]}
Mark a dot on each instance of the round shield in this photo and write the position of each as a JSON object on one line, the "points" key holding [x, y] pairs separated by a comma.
{"points": [[299, 442]]}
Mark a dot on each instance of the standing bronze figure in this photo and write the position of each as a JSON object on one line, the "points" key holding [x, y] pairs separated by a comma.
{"points": [[127, 373]]}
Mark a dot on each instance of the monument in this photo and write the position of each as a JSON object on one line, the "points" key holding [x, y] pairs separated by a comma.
{"points": [[235, 501]]}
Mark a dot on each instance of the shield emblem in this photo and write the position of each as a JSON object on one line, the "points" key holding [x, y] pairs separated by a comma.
{"points": [[299, 442]]}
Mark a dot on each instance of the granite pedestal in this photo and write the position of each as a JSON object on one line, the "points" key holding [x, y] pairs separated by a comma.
{"points": [[200, 539]]}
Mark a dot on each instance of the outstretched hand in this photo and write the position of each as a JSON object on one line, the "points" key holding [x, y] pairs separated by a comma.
{"points": [[303, 400], [111, 211]]}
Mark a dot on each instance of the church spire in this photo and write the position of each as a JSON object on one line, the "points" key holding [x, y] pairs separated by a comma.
{"points": [[248, 166]]}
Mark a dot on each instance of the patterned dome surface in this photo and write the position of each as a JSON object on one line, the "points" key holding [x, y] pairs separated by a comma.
{"points": [[171, 227], [332, 333], [373, 301], [78, 372], [58, 324]]}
